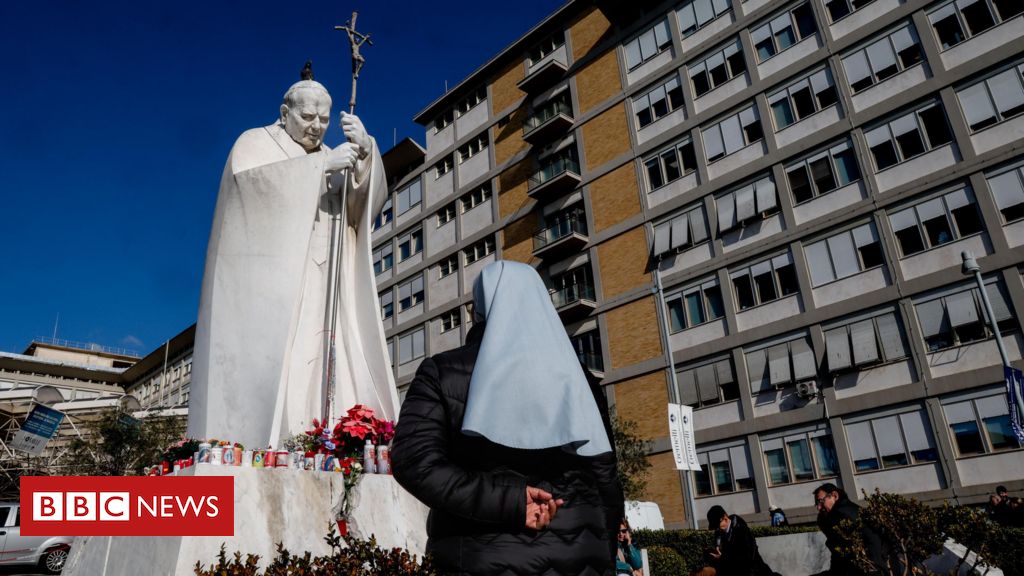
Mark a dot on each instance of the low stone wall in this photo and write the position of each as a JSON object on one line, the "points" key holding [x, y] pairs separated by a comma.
{"points": [[795, 554], [294, 507]]}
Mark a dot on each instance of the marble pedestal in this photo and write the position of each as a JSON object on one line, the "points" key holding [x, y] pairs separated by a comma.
{"points": [[294, 507]]}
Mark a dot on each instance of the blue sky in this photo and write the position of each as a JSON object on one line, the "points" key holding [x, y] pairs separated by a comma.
{"points": [[119, 116]]}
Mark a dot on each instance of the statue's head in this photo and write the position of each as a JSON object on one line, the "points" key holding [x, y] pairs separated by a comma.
{"points": [[306, 113]]}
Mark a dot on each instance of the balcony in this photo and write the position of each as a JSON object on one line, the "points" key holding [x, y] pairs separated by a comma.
{"points": [[551, 120], [542, 76], [562, 238], [593, 362], [555, 179], [574, 301]]}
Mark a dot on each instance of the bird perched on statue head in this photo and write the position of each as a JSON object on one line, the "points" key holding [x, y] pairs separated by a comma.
{"points": [[307, 71]]}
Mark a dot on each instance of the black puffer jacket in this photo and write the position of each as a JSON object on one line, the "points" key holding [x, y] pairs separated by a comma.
{"points": [[476, 490]]}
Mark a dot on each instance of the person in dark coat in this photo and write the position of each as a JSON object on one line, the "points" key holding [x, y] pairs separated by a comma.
{"points": [[503, 439], [833, 507], [736, 552]]}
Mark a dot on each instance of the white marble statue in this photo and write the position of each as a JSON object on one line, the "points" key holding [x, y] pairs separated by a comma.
{"points": [[258, 359]]}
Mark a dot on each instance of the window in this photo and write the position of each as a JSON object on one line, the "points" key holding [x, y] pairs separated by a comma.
{"points": [[891, 441], [723, 470], [994, 99], [560, 103], [479, 250], [546, 46], [764, 282], [883, 58], [698, 13], [958, 21], [446, 214], [588, 349], [799, 457], [443, 167], [1008, 190], [717, 69], [658, 103], [411, 346], [981, 425], [707, 384], [845, 254], [864, 341], [731, 134], [682, 231], [409, 196], [572, 286], [908, 136], [822, 173], [781, 364], [935, 222], [475, 198], [444, 120], [451, 320], [694, 306], [410, 244], [385, 216], [647, 45], [387, 305], [410, 293], [470, 102], [838, 9], [803, 98], [783, 31], [472, 148], [557, 163], [561, 224], [449, 265], [670, 164], [958, 318], [383, 259], [754, 200]]}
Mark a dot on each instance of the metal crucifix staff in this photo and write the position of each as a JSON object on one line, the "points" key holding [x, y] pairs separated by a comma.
{"points": [[339, 220]]}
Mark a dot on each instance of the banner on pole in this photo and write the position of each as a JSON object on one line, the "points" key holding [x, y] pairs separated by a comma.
{"points": [[680, 425], [36, 431], [1015, 399]]}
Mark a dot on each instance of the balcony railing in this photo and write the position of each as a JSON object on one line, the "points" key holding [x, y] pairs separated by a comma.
{"points": [[572, 294], [545, 113], [593, 362], [558, 231], [564, 165]]}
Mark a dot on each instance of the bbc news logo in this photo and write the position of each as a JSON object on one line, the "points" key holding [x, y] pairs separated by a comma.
{"points": [[127, 506]]}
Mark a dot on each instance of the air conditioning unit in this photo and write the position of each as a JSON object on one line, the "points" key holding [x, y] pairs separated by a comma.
{"points": [[807, 389]]}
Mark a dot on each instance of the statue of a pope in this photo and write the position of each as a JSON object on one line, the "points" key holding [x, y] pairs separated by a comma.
{"points": [[258, 360]]}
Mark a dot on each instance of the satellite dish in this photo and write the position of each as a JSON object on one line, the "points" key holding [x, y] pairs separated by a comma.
{"points": [[47, 395]]}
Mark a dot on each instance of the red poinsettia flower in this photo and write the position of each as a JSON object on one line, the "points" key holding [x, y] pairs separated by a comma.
{"points": [[360, 412], [356, 428]]}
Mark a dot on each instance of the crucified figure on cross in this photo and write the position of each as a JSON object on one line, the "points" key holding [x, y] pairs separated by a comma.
{"points": [[355, 41]]}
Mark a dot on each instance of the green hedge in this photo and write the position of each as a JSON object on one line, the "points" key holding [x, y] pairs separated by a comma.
{"points": [[1005, 550], [690, 545]]}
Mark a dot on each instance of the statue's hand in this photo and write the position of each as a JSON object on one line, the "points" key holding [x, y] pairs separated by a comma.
{"points": [[356, 133], [342, 158]]}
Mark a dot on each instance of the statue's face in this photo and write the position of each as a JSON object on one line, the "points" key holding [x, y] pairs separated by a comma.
{"points": [[308, 119]]}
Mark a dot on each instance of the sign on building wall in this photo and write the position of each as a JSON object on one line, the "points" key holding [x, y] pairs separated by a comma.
{"points": [[680, 426], [36, 431]]}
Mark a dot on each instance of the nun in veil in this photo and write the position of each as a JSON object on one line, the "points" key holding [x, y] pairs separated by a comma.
{"points": [[508, 443]]}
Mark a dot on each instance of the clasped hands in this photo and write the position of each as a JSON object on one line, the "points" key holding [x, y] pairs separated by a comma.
{"points": [[541, 507], [358, 146]]}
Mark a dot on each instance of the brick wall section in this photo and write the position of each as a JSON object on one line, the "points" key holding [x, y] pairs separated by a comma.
{"points": [[598, 81], [517, 239], [633, 333], [588, 31], [614, 197], [623, 262], [665, 488], [508, 140], [643, 400], [504, 92], [513, 184], [606, 137]]}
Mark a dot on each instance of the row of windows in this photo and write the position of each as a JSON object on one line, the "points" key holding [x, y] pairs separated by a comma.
{"points": [[904, 438], [475, 98]]}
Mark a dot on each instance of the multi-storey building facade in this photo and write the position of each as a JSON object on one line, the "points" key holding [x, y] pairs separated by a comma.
{"points": [[800, 176]]}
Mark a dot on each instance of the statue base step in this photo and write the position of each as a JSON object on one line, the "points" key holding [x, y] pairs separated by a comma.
{"points": [[294, 507]]}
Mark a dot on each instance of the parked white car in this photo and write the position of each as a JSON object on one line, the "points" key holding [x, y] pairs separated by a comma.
{"points": [[49, 552]]}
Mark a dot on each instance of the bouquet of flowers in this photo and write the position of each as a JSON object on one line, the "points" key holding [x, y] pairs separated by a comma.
{"points": [[183, 449]]}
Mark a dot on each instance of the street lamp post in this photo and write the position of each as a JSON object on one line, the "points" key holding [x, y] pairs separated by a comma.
{"points": [[970, 267]]}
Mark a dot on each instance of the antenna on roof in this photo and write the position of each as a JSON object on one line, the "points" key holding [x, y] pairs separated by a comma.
{"points": [[55, 323], [445, 86], [394, 137]]}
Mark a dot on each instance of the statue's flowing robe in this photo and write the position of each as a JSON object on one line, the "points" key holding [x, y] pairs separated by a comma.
{"points": [[258, 359]]}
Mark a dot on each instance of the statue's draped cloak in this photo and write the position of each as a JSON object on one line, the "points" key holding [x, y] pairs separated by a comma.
{"points": [[257, 363]]}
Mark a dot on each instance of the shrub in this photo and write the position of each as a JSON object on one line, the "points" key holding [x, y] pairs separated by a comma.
{"points": [[665, 561], [349, 557], [1004, 550], [690, 545], [631, 453], [908, 528], [969, 527]]}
